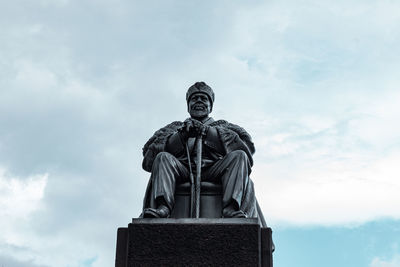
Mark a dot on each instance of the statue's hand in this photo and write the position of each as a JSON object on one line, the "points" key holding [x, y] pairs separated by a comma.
{"points": [[200, 128], [187, 130], [194, 128]]}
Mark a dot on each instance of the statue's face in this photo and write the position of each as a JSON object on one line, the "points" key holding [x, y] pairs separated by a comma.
{"points": [[199, 106]]}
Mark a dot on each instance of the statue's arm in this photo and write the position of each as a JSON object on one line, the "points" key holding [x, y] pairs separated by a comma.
{"points": [[234, 138], [244, 136], [176, 143], [158, 143]]}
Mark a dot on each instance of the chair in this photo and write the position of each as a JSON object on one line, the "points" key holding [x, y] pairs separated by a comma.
{"points": [[210, 200]]}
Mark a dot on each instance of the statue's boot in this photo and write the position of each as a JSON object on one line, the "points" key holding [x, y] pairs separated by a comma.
{"points": [[233, 211], [161, 212], [234, 214]]}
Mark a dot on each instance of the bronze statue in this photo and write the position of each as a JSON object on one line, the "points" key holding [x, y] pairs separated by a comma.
{"points": [[214, 151]]}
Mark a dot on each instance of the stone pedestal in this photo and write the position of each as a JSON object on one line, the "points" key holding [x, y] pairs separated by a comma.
{"points": [[194, 242]]}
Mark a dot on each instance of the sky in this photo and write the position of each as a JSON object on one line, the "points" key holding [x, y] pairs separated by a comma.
{"points": [[84, 84]]}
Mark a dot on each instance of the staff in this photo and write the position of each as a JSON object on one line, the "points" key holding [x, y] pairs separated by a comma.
{"points": [[192, 186], [199, 148], [195, 186]]}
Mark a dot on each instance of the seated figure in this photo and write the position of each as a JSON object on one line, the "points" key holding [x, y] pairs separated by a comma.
{"points": [[226, 158]]}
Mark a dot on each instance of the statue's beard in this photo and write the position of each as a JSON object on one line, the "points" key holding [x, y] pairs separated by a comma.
{"points": [[198, 111]]}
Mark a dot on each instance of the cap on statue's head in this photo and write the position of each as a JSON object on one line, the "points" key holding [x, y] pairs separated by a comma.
{"points": [[200, 87]]}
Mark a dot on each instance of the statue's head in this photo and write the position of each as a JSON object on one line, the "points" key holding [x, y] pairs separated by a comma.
{"points": [[200, 99]]}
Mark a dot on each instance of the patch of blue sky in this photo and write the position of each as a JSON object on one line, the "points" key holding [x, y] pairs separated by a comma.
{"points": [[337, 246], [89, 262]]}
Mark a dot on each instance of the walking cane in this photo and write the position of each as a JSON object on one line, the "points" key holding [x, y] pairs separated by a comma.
{"points": [[195, 183], [199, 148], [198, 176], [192, 186]]}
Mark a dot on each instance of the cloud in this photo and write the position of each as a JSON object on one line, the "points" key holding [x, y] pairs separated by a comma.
{"points": [[327, 193], [36, 225], [19, 200], [378, 262], [328, 170], [84, 84], [9, 261]]}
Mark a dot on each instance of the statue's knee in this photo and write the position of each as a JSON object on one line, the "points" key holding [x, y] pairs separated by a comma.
{"points": [[238, 155], [162, 156]]}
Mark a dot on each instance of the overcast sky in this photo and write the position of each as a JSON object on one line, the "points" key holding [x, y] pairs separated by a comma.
{"points": [[84, 84]]}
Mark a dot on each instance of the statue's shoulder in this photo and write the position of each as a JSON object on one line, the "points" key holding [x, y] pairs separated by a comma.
{"points": [[219, 123], [160, 136], [173, 125], [230, 126], [226, 126]]}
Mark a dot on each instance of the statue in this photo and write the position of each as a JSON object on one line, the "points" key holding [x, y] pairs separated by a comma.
{"points": [[214, 151], [199, 168]]}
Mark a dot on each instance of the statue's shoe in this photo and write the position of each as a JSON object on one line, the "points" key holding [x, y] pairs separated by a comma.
{"points": [[234, 214], [161, 212]]}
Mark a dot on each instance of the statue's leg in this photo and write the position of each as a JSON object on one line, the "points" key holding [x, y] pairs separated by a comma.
{"points": [[233, 172], [166, 171]]}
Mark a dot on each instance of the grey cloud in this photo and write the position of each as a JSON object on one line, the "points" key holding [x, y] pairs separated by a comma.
{"points": [[84, 84], [6, 261]]}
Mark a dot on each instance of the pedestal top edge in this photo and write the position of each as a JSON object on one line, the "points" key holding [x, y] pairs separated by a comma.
{"points": [[195, 221]]}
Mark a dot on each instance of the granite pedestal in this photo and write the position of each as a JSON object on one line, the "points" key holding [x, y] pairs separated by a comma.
{"points": [[194, 242]]}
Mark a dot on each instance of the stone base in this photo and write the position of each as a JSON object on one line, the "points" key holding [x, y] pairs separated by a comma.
{"points": [[194, 242]]}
